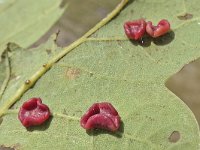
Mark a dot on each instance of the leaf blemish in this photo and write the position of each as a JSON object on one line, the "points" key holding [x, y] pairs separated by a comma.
{"points": [[174, 137], [56, 38], [91, 74], [27, 82], [73, 73], [44, 65], [186, 16]]}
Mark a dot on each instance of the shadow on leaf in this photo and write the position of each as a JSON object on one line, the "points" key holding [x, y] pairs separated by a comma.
{"points": [[42, 127], [96, 132], [161, 41], [129, 2], [165, 39]]}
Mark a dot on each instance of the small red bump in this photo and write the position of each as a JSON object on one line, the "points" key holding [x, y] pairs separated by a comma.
{"points": [[135, 29], [155, 31], [33, 112], [101, 115]]}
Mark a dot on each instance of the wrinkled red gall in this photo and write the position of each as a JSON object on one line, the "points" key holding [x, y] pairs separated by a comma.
{"points": [[102, 116], [135, 29], [155, 31], [33, 112]]}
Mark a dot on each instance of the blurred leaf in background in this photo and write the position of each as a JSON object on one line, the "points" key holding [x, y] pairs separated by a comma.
{"points": [[77, 19], [24, 21]]}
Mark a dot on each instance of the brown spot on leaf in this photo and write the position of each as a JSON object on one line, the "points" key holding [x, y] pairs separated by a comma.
{"points": [[73, 73], [27, 82], [186, 16], [174, 137], [57, 34]]}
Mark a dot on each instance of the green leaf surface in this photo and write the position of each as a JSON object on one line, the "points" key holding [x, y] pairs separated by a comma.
{"points": [[30, 23], [106, 66], [5, 72]]}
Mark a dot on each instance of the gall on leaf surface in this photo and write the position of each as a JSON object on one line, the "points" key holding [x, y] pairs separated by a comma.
{"points": [[33, 112], [101, 116]]}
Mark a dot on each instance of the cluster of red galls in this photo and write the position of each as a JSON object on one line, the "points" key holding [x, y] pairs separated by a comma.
{"points": [[100, 115], [136, 29]]}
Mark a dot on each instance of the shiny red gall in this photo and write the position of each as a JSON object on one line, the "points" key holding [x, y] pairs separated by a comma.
{"points": [[101, 116], [155, 31], [135, 29], [33, 112]]}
